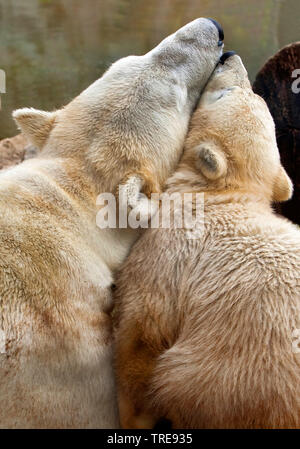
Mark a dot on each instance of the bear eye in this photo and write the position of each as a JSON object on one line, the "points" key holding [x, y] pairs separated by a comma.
{"points": [[224, 92]]}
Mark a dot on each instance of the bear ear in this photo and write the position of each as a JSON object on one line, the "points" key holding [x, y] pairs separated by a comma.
{"points": [[35, 125], [210, 160], [283, 186]]}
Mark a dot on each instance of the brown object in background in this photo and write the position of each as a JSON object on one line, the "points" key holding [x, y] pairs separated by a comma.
{"points": [[274, 83], [14, 150]]}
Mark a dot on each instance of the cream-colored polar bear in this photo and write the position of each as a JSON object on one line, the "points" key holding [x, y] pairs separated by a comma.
{"points": [[208, 327], [56, 265]]}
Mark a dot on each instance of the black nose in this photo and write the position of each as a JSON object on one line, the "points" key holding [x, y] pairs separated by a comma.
{"points": [[226, 56], [220, 29]]}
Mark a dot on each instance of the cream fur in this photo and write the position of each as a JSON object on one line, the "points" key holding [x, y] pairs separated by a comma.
{"points": [[56, 265], [205, 327]]}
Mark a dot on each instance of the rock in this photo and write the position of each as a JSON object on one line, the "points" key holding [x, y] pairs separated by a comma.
{"points": [[14, 150], [275, 84]]}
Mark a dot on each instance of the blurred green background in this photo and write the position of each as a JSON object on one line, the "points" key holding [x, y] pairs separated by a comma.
{"points": [[52, 49]]}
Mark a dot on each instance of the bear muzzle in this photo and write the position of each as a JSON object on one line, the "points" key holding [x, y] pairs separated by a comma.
{"points": [[220, 29]]}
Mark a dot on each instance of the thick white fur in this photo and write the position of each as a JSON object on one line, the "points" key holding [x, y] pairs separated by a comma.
{"points": [[206, 326]]}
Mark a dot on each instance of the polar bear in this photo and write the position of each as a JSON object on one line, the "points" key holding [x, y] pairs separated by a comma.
{"points": [[56, 265], [208, 327]]}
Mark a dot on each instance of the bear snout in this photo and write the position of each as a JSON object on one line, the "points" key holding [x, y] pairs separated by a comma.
{"points": [[226, 56], [220, 30]]}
